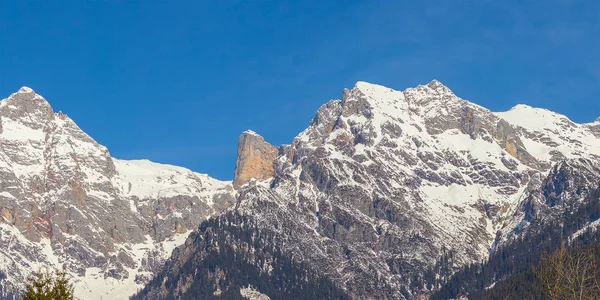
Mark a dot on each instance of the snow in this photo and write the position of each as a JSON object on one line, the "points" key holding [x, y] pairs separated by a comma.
{"points": [[10, 236], [25, 89], [591, 226], [451, 209], [453, 194], [478, 148], [169, 245], [557, 131], [250, 132], [6, 194], [46, 245], [385, 102], [145, 179], [132, 206], [93, 285], [51, 149], [537, 119], [335, 134], [16, 131], [537, 149], [457, 211]]}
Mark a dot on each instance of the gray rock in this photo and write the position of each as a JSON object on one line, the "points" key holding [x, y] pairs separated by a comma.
{"points": [[65, 200]]}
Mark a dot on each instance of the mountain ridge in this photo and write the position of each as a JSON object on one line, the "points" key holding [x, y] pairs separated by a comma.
{"points": [[385, 182], [394, 183], [65, 201]]}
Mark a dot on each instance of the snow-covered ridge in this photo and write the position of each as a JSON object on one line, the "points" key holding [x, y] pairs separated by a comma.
{"points": [[65, 201], [400, 175], [534, 118], [545, 133], [149, 180], [391, 177]]}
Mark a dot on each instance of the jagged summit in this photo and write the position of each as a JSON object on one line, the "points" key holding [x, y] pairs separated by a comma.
{"points": [[438, 86], [435, 83], [389, 99]]}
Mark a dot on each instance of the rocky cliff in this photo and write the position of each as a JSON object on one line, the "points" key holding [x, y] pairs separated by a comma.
{"points": [[255, 159], [64, 201]]}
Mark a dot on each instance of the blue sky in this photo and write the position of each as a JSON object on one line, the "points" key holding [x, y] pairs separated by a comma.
{"points": [[178, 83]]}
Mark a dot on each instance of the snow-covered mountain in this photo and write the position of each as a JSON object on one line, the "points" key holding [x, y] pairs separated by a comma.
{"points": [[384, 195], [66, 202], [386, 192]]}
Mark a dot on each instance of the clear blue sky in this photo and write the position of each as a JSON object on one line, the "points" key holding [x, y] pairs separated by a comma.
{"points": [[177, 82]]}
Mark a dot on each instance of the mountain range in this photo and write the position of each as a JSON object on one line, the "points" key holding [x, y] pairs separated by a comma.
{"points": [[385, 195]]}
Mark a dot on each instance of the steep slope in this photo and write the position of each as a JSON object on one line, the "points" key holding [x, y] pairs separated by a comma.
{"points": [[564, 209], [226, 257], [254, 160], [65, 201], [387, 193]]}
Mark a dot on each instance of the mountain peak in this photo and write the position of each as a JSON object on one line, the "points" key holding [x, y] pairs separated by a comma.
{"points": [[435, 83], [438, 86], [25, 90], [28, 106], [27, 94]]}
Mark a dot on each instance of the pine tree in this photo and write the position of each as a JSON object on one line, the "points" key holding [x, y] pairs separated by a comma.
{"points": [[48, 285]]}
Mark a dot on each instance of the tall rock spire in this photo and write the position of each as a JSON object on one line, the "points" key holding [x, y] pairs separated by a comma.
{"points": [[255, 159]]}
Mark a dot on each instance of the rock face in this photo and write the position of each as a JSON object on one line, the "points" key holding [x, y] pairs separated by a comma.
{"points": [[595, 127], [385, 186], [65, 201], [255, 159]]}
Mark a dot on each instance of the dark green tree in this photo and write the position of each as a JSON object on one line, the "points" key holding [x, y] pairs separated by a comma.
{"points": [[46, 284]]}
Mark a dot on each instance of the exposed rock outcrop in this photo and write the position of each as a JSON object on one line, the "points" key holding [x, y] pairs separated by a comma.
{"points": [[255, 159]]}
